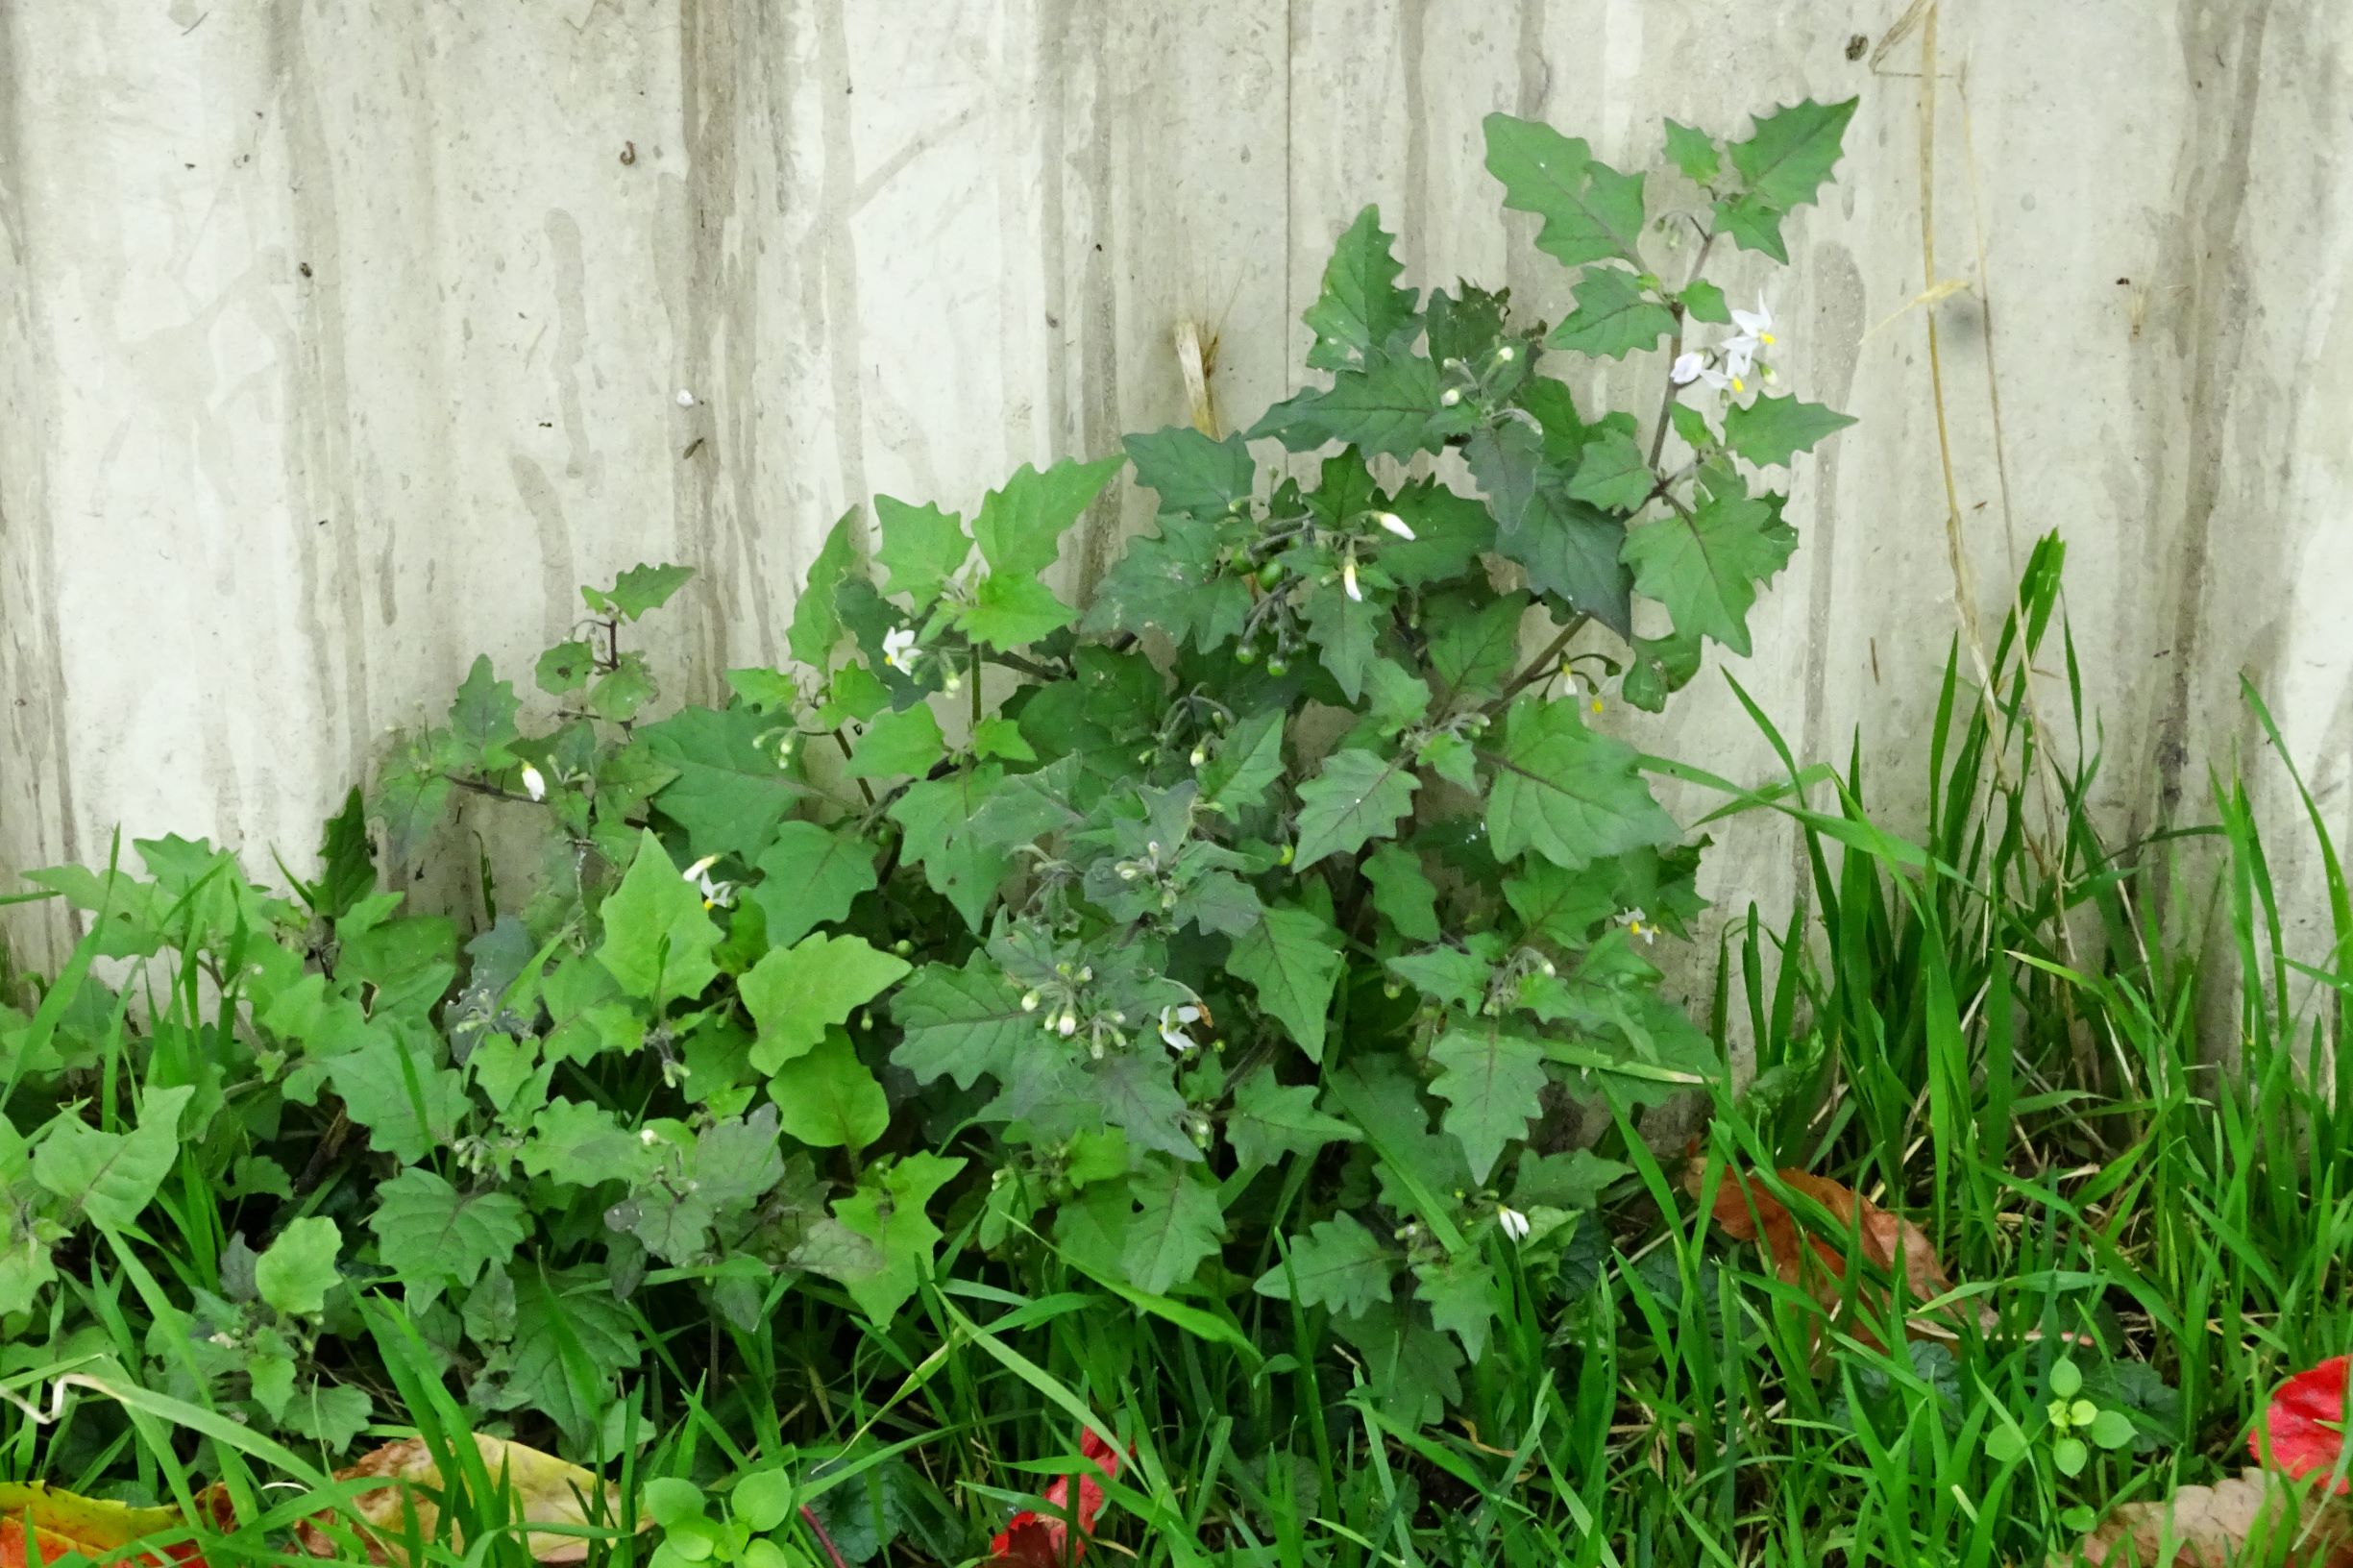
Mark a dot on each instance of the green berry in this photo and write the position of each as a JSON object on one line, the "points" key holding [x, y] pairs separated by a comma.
{"points": [[1278, 665]]}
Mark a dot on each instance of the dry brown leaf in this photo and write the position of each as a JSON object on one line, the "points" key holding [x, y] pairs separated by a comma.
{"points": [[551, 1492], [1818, 1264], [2243, 1519]]}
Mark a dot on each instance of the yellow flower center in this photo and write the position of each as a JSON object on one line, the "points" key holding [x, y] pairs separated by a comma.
{"points": [[1739, 386], [1767, 338]]}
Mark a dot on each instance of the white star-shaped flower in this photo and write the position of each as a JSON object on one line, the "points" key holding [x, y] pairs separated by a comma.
{"points": [[1514, 1222], [716, 895], [533, 785], [1741, 349], [1172, 1020], [898, 650]]}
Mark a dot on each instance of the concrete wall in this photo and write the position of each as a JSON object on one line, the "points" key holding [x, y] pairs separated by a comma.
{"points": [[341, 339]]}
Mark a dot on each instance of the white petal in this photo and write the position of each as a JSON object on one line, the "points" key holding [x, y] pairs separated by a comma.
{"points": [[1394, 523], [1753, 321], [1688, 368], [1348, 579], [686, 399], [534, 784], [695, 873], [1739, 356]]}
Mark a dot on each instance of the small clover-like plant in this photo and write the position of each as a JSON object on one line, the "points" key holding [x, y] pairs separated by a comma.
{"points": [[2068, 1428]]}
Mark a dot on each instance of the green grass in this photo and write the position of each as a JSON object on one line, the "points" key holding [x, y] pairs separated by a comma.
{"points": [[1994, 1028]]}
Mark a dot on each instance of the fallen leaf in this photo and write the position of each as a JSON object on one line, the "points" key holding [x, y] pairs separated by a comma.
{"points": [[550, 1491], [2302, 1434], [1744, 1211], [39, 1524], [1035, 1540], [2243, 1518]]}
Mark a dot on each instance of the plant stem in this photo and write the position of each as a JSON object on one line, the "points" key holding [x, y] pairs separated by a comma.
{"points": [[809, 1517], [1675, 349], [1546, 660]]}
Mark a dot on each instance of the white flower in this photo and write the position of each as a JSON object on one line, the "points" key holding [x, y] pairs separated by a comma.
{"points": [[686, 399], [1514, 1222], [1639, 924], [649, 1137], [716, 895], [1172, 1020], [533, 785], [1693, 366], [898, 650], [1348, 578], [1755, 333], [1394, 523]]}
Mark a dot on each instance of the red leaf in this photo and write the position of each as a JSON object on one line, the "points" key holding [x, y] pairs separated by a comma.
{"points": [[2303, 1432], [1038, 1540]]}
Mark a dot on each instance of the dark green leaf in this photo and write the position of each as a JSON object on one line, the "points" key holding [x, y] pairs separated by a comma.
{"points": [[1566, 792], [1590, 211], [1173, 582], [1402, 893], [727, 792], [1791, 151], [1177, 1224], [639, 590], [961, 1023], [1362, 308], [1772, 431], [1493, 1083], [1705, 566], [907, 741], [816, 616], [1359, 795], [1614, 475], [1192, 474], [1336, 1263], [1614, 316], [1271, 1118], [1293, 961]]}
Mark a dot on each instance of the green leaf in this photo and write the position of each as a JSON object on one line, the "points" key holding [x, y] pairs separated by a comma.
{"points": [[1409, 1366], [623, 690], [1571, 794], [1174, 582], [572, 1336], [1271, 1118], [810, 876], [1574, 1180], [1292, 960], [1474, 647], [1192, 474], [1692, 426], [1020, 526], [1571, 550], [1493, 1083], [1345, 632], [1705, 566], [1390, 408], [1791, 151], [410, 800], [112, 1176], [1590, 211], [1359, 795], [1362, 308], [1402, 893], [410, 1104], [2071, 1456], [565, 668], [1247, 760], [1772, 431], [429, 1234], [1614, 316], [1449, 533], [817, 615], [796, 993], [886, 1212], [1703, 301], [1011, 610], [922, 547], [1558, 905], [1177, 1224], [1336, 1263], [1694, 152], [2112, 1429], [2066, 1378], [2004, 1444], [1615, 475], [1752, 226], [960, 1023], [935, 817], [482, 717], [997, 736], [1460, 1293], [728, 795], [761, 1500], [907, 741], [299, 1268], [638, 591], [657, 939], [827, 1099]]}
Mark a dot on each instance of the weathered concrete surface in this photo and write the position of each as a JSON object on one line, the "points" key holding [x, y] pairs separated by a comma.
{"points": [[341, 341]]}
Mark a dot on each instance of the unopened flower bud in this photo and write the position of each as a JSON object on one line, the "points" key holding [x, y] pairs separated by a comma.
{"points": [[1449, 396], [1029, 1001]]}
